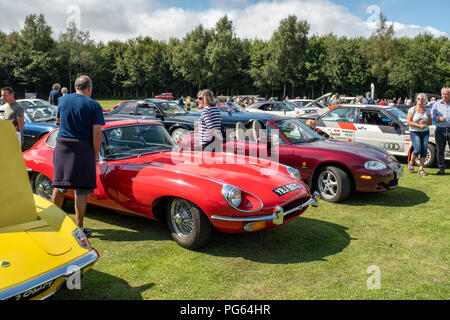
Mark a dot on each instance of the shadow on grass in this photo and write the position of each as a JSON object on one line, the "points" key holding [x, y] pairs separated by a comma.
{"points": [[138, 228], [96, 285], [399, 197], [301, 240]]}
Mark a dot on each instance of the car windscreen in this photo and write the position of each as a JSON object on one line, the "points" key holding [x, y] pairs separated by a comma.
{"points": [[135, 140], [40, 102], [41, 114], [170, 108], [296, 131]]}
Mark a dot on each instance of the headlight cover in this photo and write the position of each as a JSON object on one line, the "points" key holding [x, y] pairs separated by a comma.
{"points": [[81, 239], [374, 165], [232, 195]]}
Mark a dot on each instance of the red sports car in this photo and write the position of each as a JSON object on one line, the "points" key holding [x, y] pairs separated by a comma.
{"points": [[143, 172], [333, 168], [166, 96]]}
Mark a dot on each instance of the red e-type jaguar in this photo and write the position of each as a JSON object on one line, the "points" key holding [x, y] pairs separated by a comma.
{"points": [[143, 172]]}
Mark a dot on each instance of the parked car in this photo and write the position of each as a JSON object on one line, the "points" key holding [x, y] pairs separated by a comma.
{"points": [[40, 246], [179, 122], [335, 169], [310, 106], [176, 120], [141, 171], [279, 108], [381, 126], [39, 120], [165, 96]]}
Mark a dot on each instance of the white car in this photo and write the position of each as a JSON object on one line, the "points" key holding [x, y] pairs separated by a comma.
{"points": [[310, 106], [382, 126], [279, 108]]}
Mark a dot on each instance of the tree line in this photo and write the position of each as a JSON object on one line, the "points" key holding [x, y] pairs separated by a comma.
{"points": [[292, 62]]}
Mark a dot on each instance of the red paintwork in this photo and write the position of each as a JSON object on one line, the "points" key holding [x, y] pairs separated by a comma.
{"points": [[165, 96], [310, 157], [136, 185]]}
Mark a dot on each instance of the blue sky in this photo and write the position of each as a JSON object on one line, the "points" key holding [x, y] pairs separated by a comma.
{"points": [[435, 13], [165, 19]]}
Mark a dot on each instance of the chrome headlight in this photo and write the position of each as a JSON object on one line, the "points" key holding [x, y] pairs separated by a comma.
{"points": [[232, 195], [81, 238], [374, 165]]}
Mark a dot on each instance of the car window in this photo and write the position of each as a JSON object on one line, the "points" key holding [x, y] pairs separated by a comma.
{"points": [[128, 109], [25, 104], [40, 103], [341, 114], [146, 110], [374, 117], [51, 139]]}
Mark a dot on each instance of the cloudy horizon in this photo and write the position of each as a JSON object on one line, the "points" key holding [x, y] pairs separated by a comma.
{"points": [[118, 20]]}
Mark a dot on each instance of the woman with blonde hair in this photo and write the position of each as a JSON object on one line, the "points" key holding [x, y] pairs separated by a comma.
{"points": [[210, 122], [418, 120]]}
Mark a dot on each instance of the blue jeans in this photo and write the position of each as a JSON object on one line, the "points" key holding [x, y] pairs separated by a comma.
{"points": [[419, 141]]}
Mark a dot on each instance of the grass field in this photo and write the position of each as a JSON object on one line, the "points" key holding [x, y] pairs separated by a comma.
{"points": [[324, 254]]}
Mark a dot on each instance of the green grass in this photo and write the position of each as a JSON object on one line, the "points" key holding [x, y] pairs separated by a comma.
{"points": [[324, 254]]}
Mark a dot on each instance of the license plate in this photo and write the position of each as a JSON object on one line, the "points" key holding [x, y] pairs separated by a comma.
{"points": [[281, 191], [399, 173], [33, 292]]}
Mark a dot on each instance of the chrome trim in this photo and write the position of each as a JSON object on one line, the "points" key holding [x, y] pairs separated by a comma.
{"points": [[81, 263], [267, 217], [226, 184]]}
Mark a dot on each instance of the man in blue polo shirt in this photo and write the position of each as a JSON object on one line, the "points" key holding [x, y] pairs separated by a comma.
{"points": [[440, 113], [77, 147]]}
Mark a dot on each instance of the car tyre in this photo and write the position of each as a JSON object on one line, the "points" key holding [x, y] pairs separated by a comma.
{"points": [[333, 184], [188, 225], [177, 133], [430, 160], [42, 186]]}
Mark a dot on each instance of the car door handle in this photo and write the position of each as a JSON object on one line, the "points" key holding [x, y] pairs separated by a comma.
{"points": [[361, 128]]}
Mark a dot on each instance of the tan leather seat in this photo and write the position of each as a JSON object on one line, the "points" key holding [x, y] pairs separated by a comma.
{"points": [[257, 130], [240, 131]]}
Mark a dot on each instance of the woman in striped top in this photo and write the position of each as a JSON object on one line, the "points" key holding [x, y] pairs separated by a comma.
{"points": [[210, 123]]}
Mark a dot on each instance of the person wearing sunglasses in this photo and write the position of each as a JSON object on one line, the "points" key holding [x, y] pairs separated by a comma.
{"points": [[441, 115], [418, 120], [210, 122]]}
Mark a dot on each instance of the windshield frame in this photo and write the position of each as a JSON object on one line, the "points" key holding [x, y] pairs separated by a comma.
{"points": [[314, 136], [153, 148]]}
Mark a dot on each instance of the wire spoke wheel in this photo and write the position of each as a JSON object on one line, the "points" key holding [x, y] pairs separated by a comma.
{"points": [[181, 218], [188, 225], [43, 186]]}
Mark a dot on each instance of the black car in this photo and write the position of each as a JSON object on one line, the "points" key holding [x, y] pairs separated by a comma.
{"points": [[176, 120]]}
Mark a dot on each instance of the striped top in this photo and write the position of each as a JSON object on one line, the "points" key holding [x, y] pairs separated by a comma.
{"points": [[210, 119]]}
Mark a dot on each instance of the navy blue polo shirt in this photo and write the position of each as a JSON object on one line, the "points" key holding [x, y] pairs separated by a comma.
{"points": [[54, 97], [77, 114]]}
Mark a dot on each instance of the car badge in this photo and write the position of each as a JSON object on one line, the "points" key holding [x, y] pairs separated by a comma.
{"points": [[5, 264]]}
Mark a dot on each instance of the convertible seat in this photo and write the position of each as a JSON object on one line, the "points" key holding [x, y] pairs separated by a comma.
{"points": [[16, 197], [240, 131], [257, 130]]}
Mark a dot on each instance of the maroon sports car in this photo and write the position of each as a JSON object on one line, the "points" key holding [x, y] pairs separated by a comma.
{"points": [[335, 169]]}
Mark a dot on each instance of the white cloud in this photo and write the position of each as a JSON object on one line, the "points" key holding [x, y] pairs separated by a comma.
{"points": [[117, 19]]}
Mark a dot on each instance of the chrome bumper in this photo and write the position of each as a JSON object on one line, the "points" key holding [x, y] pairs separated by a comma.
{"points": [[276, 215], [63, 271]]}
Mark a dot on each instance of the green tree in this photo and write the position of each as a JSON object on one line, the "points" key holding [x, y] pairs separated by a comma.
{"points": [[287, 49]]}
